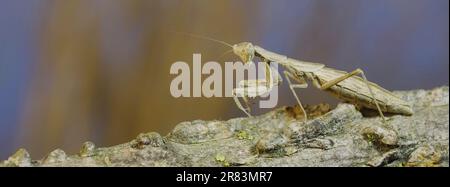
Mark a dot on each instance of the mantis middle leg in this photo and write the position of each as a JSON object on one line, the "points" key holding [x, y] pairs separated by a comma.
{"points": [[302, 84]]}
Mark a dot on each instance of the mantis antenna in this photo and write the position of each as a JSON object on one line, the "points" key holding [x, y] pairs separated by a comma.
{"points": [[225, 53], [209, 39], [205, 38]]}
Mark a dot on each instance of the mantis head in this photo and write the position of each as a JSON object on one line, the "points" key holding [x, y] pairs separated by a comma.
{"points": [[245, 51]]}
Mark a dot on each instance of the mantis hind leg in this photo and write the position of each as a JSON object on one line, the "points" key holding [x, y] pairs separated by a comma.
{"points": [[348, 75], [302, 84]]}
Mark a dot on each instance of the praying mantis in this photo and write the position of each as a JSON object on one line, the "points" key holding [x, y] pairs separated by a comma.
{"points": [[345, 86]]}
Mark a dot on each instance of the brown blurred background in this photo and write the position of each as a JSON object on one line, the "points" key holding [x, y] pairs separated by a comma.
{"points": [[78, 70]]}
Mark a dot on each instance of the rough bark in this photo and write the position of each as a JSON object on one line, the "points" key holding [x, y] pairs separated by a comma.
{"points": [[342, 136]]}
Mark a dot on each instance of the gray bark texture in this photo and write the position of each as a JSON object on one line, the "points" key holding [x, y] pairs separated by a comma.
{"points": [[342, 136]]}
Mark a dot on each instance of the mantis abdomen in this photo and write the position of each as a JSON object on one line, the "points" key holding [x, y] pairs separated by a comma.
{"points": [[343, 85], [355, 91]]}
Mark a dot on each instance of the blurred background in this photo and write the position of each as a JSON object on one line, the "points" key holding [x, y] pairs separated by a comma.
{"points": [[78, 70]]}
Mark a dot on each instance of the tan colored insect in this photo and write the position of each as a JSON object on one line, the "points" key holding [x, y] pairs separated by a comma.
{"points": [[345, 86]]}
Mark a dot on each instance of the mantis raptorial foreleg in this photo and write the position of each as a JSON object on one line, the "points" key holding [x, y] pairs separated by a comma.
{"points": [[348, 75], [303, 84], [250, 88], [239, 105], [254, 88]]}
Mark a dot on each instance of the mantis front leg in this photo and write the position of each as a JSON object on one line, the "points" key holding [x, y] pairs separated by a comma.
{"points": [[253, 88], [303, 84], [245, 109]]}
